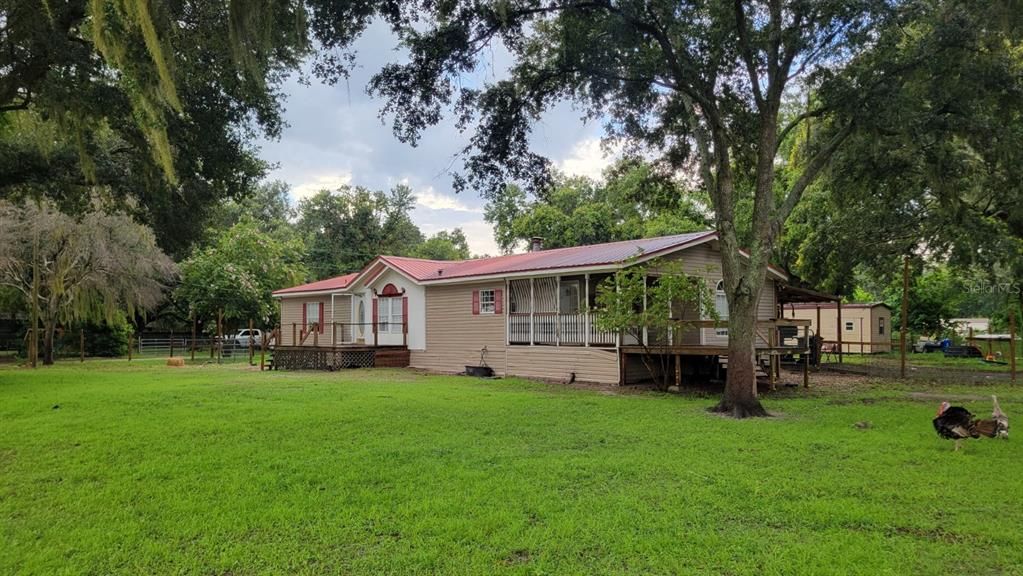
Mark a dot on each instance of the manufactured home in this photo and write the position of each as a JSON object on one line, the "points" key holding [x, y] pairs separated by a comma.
{"points": [[521, 314]]}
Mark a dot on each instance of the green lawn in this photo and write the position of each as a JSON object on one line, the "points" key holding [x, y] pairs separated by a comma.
{"points": [[144, 469]]}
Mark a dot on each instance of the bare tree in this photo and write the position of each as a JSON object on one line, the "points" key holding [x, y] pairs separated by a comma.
{"points": [[91, 267]]}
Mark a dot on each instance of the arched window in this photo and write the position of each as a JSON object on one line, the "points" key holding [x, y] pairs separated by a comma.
{"points": [[721, 305]]}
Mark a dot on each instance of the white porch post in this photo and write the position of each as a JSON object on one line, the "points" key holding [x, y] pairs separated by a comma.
{"points": [[671, 325], [532, 307], [332, 327], [586, 312], [557, 311], [646, 338]]}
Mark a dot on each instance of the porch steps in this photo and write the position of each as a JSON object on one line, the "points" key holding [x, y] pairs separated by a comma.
{"points": [[723, 362]]}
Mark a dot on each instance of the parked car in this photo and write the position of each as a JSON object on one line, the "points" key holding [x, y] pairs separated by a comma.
{"points": [[243, 336]]}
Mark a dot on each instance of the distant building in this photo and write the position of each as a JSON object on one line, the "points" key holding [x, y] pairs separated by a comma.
{"points": [[962, 325], [866, 327]]}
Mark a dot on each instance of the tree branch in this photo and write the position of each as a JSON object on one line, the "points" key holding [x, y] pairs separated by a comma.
{"points": [[813, 168], [747, 53], [792, 125]]}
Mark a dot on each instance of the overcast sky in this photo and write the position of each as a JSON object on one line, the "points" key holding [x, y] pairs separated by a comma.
{"points": [[335, 136]]}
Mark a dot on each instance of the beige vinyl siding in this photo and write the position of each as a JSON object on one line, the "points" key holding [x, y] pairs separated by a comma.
{"points": [[704, 261], [291, 320], [454, 335], [557, 363], [342, 318], [881, 342], [864, 324]]}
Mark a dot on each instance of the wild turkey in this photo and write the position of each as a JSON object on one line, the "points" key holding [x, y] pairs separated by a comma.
{"points": [[957, 423]]}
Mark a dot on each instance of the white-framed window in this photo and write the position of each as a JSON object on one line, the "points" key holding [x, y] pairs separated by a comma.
{"points": [[312, 313], [488, 301], [721, 305], [389, 316], [849, 326]]}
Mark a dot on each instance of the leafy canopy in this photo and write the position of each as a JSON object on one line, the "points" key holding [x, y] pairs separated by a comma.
{"points": [[634, 201], [95, 268], [238, 273]]}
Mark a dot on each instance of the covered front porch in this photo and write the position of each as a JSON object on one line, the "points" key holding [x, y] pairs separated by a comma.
{"points": [[554, 311]]}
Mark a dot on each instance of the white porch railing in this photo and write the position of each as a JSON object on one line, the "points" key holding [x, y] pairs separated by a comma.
{"points": [[557, 329]]}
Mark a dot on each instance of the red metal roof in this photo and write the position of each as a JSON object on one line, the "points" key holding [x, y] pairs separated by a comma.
{"points": [[576, 256], [335, 283], [422, 270]]}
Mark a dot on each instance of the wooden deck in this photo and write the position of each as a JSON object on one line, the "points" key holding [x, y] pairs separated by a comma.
{"points": [[705, 350], [338, 357]]}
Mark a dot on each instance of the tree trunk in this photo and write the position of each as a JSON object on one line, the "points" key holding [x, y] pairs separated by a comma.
{"points": [[740, 398], [48, 331]]}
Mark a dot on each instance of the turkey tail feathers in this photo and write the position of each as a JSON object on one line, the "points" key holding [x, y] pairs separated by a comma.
{"points": [[987, 428], [1000, 419], [996, 413]]}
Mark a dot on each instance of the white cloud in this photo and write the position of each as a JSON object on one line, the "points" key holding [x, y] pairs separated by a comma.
{"points": [[433, 200], [588, 159], [478, 233], [317, 183]]}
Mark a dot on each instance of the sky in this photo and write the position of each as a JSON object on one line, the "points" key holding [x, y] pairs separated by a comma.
{"points": [[335, 136]]}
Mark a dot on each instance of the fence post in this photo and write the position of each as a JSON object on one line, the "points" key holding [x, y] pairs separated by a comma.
{"points": [[251, 343], [171, 343], [806, 357], [131, 344], [81, 344], [840, 327], [905, 316], [262, 351], [1012, 343], [193, 335], [220, 335]]}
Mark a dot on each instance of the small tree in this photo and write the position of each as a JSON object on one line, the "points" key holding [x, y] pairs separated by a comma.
{"points": [[97, 267], [649, 302], [239, 273]]}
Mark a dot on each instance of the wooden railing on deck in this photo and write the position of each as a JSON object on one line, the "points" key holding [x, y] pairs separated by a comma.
{"points": [[578, 329], [340, 333]]}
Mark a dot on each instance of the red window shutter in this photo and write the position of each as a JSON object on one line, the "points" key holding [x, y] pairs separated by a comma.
{"points": [[498, 301], [376, 307], [404, 312], [475, 301], [305, 321], [321, 318]]}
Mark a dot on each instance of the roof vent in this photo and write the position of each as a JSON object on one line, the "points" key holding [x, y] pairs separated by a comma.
{"points": [[536, 244]]}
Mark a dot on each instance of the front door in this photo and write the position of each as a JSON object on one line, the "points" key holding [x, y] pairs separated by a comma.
{"points": [[390, 320]]}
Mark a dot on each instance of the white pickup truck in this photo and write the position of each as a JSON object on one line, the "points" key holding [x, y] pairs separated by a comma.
{"points": [[243, 337]]}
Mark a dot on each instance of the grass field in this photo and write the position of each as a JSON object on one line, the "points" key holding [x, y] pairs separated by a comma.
{"points": [[931, 360], [142, 469]]}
